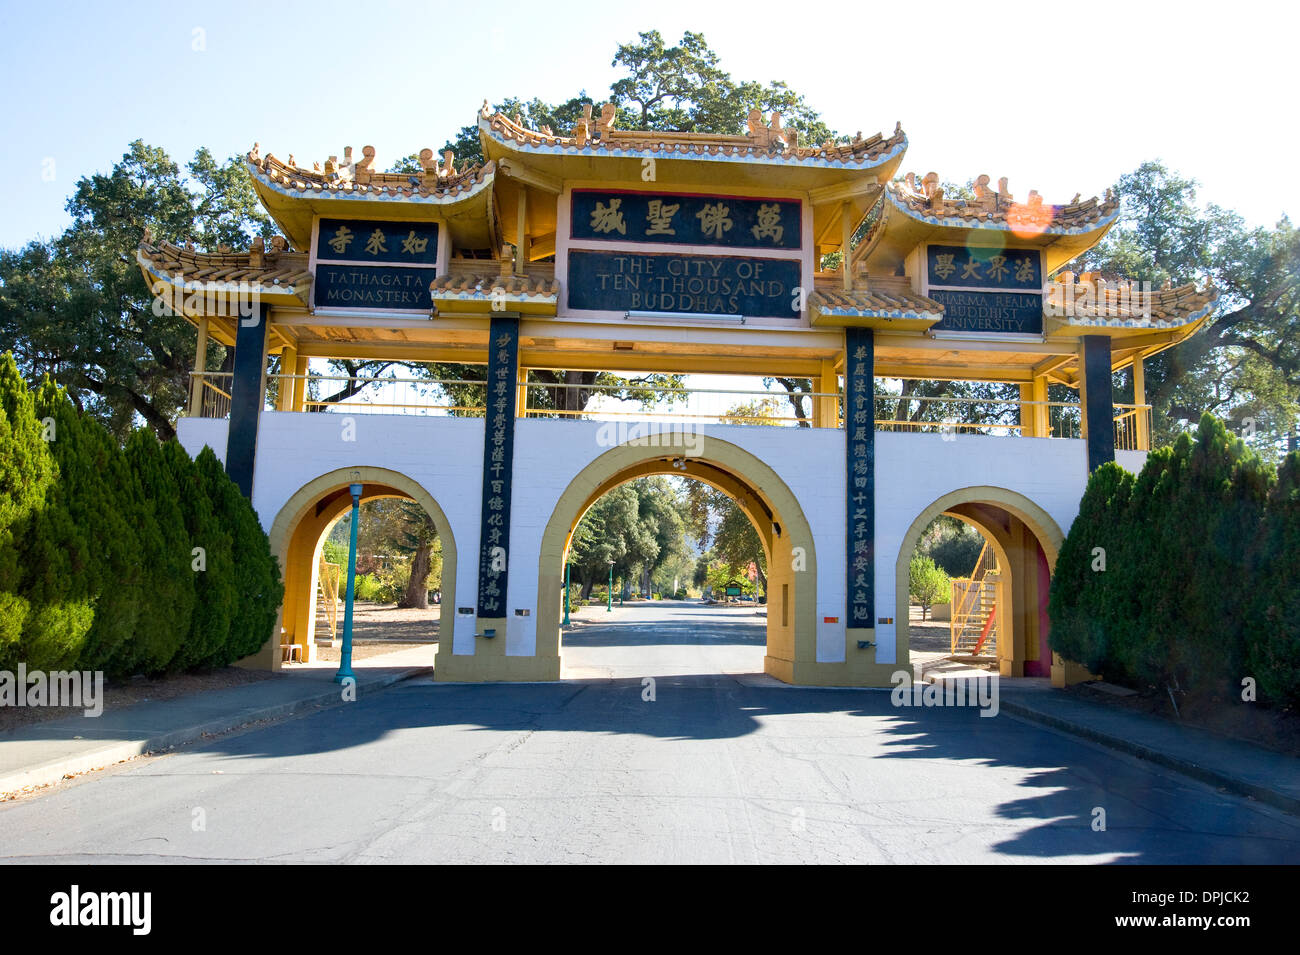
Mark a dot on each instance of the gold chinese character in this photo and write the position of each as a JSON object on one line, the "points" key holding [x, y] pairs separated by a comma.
{"points": [[713, 219], [376, 243], [769, 223], [998, 268], [342, 239], [1025, 272], [971, 270], [944, 266], [608, 218], [660, 218], [413, 245]]}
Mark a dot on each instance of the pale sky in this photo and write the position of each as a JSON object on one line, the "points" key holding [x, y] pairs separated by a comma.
{"points": [[1061, 100]]}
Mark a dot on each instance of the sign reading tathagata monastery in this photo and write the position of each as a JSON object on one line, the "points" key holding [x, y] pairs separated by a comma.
{"points": [[986, 290], [375, 264]]}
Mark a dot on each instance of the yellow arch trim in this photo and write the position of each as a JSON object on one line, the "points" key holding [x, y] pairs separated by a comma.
{"points": [[626, 462], [378, 483], [1035, 518]]}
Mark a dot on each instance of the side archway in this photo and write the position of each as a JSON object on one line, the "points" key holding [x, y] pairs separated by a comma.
{"points": [[768, 502], [1026, 540], [297, 535]]}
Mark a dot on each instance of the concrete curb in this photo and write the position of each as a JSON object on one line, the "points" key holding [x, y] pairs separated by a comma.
{"points": [[1205, 774], [54, 771]]}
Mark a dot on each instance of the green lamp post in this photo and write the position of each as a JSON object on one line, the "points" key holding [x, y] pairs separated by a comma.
{"points": [[345, 659], [565, 622], [609, 594]]}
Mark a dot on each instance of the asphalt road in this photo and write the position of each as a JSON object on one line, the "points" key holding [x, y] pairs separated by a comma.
{"points": [[717, 768]]}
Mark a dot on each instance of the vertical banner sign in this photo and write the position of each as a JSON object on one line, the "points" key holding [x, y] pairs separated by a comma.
{"points": [[498, 458], [860, 457]]}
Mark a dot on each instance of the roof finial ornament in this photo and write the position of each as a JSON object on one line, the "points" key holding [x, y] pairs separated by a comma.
{"points": [[582, 128], [608, 113], [147, 238], [279, 243], [448, 163], [255, 154], [932, 190], [364, 166], [898, 127], [755, 124]]}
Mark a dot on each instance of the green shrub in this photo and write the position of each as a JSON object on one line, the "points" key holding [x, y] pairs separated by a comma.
{"points": [[168, 593], [1272, 624], [27, 472], [214, 584]]}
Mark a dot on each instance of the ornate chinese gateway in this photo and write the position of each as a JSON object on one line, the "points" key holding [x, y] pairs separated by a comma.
{"points": [[607, 250]]}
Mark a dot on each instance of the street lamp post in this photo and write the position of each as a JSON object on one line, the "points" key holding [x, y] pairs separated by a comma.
{"points": [[566, 595], [609, 594], [345, 660]]}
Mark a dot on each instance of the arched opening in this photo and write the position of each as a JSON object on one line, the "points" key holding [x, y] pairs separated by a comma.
{"points": [[1025, 541], [298, 535], [764, 498]]}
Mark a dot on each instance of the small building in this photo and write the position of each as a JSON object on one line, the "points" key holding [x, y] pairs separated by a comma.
{"points": [[597, 249]]}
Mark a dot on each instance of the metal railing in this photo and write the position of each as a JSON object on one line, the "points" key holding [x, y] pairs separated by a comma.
{"points": [[990, 416], [595, 402], [355, 394], [628, 402]]}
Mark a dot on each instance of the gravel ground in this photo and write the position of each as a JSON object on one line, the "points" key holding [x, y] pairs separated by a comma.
{"points": [[381, 628]]}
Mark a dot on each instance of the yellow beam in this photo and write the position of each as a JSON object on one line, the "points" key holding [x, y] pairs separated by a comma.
{"points": [[1140, 398], [200, 366], [288, 362]]}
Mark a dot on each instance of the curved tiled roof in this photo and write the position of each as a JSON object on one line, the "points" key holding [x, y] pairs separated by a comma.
{"points": [[875, 301], [479, 287], [1093, 303], [348, 180], [992, 209], [276, 270], [763, 143]]}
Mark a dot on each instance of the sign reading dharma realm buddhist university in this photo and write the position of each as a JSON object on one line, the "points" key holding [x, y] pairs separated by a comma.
{"points": [[685, 219], [986, 290], [375, 264], [689, 284]]}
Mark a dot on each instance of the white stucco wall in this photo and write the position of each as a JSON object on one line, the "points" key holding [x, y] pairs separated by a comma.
{"points": [[915, 470], [444, 455]]}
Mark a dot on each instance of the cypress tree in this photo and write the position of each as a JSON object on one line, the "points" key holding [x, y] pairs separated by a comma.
{"points": [[167, 595], [1272, 626], [214, 585], [26, 473]]}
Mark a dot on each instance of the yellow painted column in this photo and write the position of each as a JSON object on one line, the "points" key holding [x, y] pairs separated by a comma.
{"points": [[1028, 423], [1042, 420], [200, 366], [1140, 398], [288, 362], [827, 408], [521, 399], [299, 384], [846, 236], [521, 232]]}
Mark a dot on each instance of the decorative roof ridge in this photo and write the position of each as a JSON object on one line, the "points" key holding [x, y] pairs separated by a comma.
{"points": [[762, 138], [361, 179], [924, 199]]}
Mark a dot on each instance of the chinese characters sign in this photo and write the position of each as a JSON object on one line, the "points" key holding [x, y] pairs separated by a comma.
{"points": [[389, 265], [498, 459], [987, 290], [373, 242], [860, 457], [665, 282], [686, 219]]}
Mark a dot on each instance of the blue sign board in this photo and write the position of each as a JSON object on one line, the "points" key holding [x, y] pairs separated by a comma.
{"points": [[685, 219], [860, 461], [371, 286], [373, 241], [989, 311], [987, 289], [689, 284], [955, 266], [498, 462]]}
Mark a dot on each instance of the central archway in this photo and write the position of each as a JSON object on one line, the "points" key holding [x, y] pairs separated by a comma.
{"points": [[765, 499]]}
